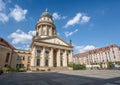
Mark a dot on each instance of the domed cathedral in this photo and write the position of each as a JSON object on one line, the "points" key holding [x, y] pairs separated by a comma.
{"points": [[48, 50]]}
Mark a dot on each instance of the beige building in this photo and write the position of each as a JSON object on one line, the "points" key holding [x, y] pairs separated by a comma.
{"points": [[47, 50], [99, 56], [6, 52]]}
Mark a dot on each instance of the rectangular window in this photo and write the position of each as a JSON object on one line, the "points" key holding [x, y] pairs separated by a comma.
{"points": [[20, 65], [20, 57], [38, 51], [7, 57], [23, 58], [38, 62]]}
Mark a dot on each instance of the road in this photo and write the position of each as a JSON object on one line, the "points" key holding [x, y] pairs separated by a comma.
{"points": [[85, 77]]}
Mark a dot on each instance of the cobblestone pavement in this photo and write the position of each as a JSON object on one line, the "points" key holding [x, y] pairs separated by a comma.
{"points": [[86, 77]]}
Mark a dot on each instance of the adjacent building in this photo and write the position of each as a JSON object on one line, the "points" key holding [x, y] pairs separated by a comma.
{"points": [[6, 52], [99, 57]]}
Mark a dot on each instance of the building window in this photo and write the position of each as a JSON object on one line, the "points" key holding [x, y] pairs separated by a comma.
{"points": [[38, 51], [20, 58], [7, 57], [19, 65], [38, 62], [47, 52], [23, 58], [61, 54]]}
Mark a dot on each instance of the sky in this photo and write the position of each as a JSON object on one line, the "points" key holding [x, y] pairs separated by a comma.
{"points": [[90, 24]]}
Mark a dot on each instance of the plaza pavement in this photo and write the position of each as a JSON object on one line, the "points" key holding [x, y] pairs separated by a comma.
{"points": [[84, 77]]}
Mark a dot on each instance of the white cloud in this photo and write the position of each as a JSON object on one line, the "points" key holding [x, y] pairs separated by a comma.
{"points": [[70, 33], [3, 17], [79, 18], [85, 19], [21, 37], [23, 46], [57, 16], [2, 5], [18, 13], [81, 49]]}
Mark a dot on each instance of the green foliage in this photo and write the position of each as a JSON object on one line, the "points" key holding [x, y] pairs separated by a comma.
{"points": [[100, 65], [93, 63], [22, 71], [6, 69], [110, 65], [118, 62], [77, 66], [17, 69], [9, 69], [70, 64]]}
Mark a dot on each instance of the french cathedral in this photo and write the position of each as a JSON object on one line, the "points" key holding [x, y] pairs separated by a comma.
{"points": [[47, 49]]}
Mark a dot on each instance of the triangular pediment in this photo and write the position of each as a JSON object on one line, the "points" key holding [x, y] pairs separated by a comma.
{"points": [[55, 40]]}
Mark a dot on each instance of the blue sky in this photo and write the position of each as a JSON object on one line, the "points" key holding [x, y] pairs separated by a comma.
{"points": [[89, 24]]}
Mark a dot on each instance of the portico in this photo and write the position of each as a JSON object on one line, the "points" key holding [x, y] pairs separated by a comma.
{"points": [[50, 57]]}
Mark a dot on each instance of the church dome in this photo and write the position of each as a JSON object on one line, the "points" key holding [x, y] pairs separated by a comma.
{"points": [[46, 17], [46, 14]]}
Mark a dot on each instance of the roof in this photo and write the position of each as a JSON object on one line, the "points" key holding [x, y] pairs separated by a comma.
{"points": [[22, 51], [3, 42], [95, 51], [81, 54], [46, 14]]}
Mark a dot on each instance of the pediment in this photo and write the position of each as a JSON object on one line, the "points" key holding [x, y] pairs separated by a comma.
{"points": [[56, 40]]}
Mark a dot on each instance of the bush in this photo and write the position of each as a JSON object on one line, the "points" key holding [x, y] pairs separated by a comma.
{"points": [[110, 65], [118, 62], [6, 69], [17, 69], [77, 66], [22, 71], [9, 69], [70, 64]]}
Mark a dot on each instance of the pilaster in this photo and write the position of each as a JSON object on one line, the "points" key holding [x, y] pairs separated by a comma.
{"points": [[65, 59], [58, 58], [51, 58], [42, 63]]}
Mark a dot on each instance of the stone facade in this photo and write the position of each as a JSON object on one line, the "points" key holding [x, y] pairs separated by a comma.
{"points": [[47, 48], [99, 56], [6, 51]]}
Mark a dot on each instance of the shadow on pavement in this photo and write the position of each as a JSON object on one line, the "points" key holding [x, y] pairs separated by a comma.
{"points": [[53, 78]]}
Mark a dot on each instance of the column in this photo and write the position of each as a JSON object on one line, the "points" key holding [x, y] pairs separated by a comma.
{"points": [[65, 59], [42, 63], [58, 58], [33, 59], [71, 56], [51, 58]]}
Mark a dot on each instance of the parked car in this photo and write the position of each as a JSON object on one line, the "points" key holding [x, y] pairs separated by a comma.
{"points": [[1, 71]]}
